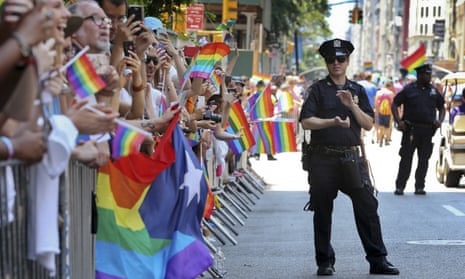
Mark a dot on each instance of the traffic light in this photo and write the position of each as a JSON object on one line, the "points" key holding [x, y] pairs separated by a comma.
{"points": [[351, 16], [229, 10], [360, 16]]}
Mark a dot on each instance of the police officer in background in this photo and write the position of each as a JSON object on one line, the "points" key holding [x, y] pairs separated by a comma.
{"points": [[419, 122], [335, 111]]}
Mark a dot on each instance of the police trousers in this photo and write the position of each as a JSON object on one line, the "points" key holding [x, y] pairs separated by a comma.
{"points": [[419, 138], [326, 179]]}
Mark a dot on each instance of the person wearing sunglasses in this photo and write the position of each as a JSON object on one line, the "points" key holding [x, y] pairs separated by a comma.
{"points": [[335, 111]]}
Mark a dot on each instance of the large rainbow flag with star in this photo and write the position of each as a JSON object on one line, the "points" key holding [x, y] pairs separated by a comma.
{"points": [[209, 55], [150, 209], [238, 121], [83, 78], [415, 59]]}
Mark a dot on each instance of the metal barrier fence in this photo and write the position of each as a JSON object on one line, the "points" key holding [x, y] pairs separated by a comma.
{"points": [[76, 260]]}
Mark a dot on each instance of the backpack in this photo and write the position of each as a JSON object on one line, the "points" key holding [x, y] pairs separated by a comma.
{"points": [[384, 104]]}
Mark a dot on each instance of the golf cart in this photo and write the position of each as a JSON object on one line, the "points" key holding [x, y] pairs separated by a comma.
{"points": [[450, 165]]}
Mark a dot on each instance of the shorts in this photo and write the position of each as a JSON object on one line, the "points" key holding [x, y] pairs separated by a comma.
{"points": [[384, 120]]}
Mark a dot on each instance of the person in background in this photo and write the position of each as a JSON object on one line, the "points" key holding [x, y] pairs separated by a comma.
{"points": [[423, 113], [383, 102], [335, 111], [371, 90]]}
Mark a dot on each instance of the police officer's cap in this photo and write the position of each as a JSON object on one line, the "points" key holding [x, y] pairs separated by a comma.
{"points": [[425, 68], [336, 47]]}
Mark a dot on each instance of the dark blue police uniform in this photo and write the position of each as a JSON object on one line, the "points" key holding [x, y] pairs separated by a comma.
{"points": [[419, 113], [331, 149]]}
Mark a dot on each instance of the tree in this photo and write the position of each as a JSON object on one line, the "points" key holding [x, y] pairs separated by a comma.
{"points": [[306, 16]]}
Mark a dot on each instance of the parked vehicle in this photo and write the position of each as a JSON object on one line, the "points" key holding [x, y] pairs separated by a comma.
{"points": [[450, 165]]}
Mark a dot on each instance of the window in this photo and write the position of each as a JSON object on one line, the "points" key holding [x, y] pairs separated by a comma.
{"points": [[434, 11], [421, 29], [426, 29], [439, 11], [426, 12], [421, 11]]}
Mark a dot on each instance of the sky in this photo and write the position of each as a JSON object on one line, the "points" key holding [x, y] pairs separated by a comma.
{"points": [[339, 19]]}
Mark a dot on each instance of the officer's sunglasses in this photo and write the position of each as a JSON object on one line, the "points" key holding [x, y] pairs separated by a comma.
{"points": [[332, 59]]}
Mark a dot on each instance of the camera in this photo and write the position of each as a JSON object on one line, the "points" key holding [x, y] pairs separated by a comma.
{"points": [[209, 115]]}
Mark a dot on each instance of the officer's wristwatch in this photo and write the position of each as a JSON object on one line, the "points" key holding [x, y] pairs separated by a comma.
{"points": [[25, 48]]}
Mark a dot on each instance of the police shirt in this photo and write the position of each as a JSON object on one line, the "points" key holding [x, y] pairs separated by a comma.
{"points": [[322, 102], [420, 103]]}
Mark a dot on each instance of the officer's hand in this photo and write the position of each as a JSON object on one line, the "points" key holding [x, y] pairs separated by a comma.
{"points": [[346, 98], [342, 123], [401, 126]]}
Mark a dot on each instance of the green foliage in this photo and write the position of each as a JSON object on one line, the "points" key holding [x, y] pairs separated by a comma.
{"points": [[156, 8], [306, 16]]}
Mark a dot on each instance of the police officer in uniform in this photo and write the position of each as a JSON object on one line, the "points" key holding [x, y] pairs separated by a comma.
{"points": [[419, 122], [335, 111]]}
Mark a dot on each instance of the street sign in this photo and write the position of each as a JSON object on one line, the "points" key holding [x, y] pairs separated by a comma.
{"points": [[439, 28], [194, 17]]}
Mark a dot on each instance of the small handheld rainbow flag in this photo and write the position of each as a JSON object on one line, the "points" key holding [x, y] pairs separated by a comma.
{"points": [[238, 121], [263, 107], [209, 55], [261, 76], [368, 66], [83, 78], [415, 59], [127, 139], [215, 78]]}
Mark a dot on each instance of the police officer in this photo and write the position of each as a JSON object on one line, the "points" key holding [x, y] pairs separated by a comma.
{"points": [[335, 111], [419, 122]]}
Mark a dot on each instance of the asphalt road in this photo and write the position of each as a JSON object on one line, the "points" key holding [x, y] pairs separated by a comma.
{"points": [[424, 235]]}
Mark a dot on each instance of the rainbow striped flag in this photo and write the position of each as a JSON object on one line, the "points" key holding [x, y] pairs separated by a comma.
{"points": [[261, 76], [368, 66], [238, 121], [274, 137], [150, 209], [284, 137], [215, 78], [263, 133], [209, 55], [83, 78], [127, 139], [210, 201], [263, 107], [415, 59]]}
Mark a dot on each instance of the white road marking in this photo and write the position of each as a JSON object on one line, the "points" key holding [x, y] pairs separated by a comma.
{"points": [[453, 210]]}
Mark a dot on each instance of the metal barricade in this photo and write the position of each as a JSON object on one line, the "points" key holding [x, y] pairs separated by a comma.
{"points": [[76, 260]]}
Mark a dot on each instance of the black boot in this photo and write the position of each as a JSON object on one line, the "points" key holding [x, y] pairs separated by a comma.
{"points": [[271, 158]]}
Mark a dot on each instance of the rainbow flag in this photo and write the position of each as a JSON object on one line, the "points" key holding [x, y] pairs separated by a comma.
{"points": [[263, 133], [210, 201], [261, 76], [127, 139], [238, 121], [415, 59], [274, 137], [150, 209], [83, 78], [209, 55], [285, 102], [368, 66], [284, 138], [263, 107], [215, 79]]}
